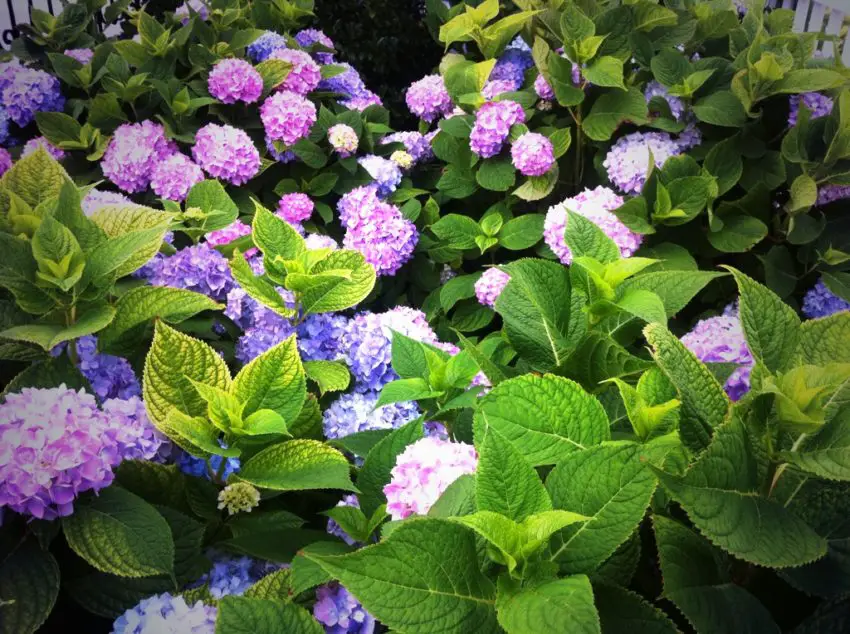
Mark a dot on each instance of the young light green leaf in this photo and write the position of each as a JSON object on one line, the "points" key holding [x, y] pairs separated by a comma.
{"points": [[210, 197], [824, 340], [35, 178], [117, 221], [275, 380], [675, 288], [342, 292], [298, 465], [275, 237], [826, 454], [404, 390], [330, 376], [258, 287], [561, 605]]}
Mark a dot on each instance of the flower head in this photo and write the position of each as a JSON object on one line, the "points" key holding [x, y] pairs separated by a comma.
{"points": [[627, 161], [533, 154], [260, 49], [133, 152], [657, 89], [96, 199], [197, 6], [165, 614], [227, 153], [596, 205], [361, 101], [82, 55], [198, 268], [490, 285], [232, 575], [307, 37], [110, 377], [287, 117], [386, 173], [340, 612], [447, 273], [343, 139], [305, 74], [381, 233], [30, 91], [355, 412], [830, 193], [5, 161], [315, 241], [128, 426], [493, 126], [295, 207], [348, 83], [233, 80], [174, 177], [543, 88], [428, 98], [416, 144], [197, 467], [228, 234], [819, 105], [496, 87], [268, 330], [40, 141], [511, 67], [239, 497], [819, 301], [320, 336], [423, 472]]}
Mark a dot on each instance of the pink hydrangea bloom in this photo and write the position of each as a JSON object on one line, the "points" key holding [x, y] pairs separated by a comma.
{"points": [[231, 232], [305, 74], [428, 98], [627, 161], [5, 161], [543, 89], [173, 177], [132, 153], [343, 139], [233, 80], [82, 55], [492, 127], [39, 141], [295, 207], [533, 154], [287, 117], [227, 153], [490, 285]]}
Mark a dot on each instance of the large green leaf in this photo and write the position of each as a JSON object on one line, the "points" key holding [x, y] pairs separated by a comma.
{"points": [[275, 380], [210, 197], [826, 454], [275, 237], [721, 108], [298, 465], [249, 615], [339, 293], [117, 221], [675, 288], [48, 336], [561, 605], [422, 579], [545, 417], [29, 586], [612, 109], [585, 238], [624, 612], [824, 340], [35, 177]]}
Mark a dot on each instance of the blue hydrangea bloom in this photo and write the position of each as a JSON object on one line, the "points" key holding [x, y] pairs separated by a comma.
{"points": [[348, 83], [320, 337], [110, 377], [260, 49], [198, 268], [166, 614], [340, 611], [197, 467], [31, 91], [355, 412], [4, 125], [233, 574], [386, 173], [819, 301], [511, 66]]}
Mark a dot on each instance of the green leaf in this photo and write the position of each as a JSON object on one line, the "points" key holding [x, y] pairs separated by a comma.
{"points": [[722, 503], [330, 376], [649, 15], [298, 465], [422, 579], [575, 25], [58, 127], [611, 485], [643, 304], [312, 155], [457, 182], [724, 162], [521, 233], [605, 71], [506, 483], [561, 605], [826, 454], [546, 418], [670, 67], [458, 231], [49, 373], [36, 178], [248, 615], [48, 336], [721, 108], [738, 234], [406, 390], [258, 287], [29, 586], [276, 586], [808, 80], [624, 612], [585, 238], [612, 109], [121, 534], [117, 221], [375, 472], [274, 72], [538, 187], [342, 292], [823, 341], [275, 380], [275, 237], [496, 174], [536, 318], [804, 193], [675, 288], [771, 326]]}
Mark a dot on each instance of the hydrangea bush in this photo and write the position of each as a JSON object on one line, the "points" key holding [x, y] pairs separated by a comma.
{"points": [[571, 355]]}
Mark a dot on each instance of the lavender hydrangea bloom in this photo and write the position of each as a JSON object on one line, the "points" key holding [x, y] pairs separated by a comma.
{"points": [[627, 161], [657, 89], [198, 6], [110, 377], [533, 154], [295, 207], [96, 199], [5, 161], [830, 193], [689, 137], [235, 230], [596, 205], [496, 87], [493, 126], [262, 336], [354, 412], [361, 101], [197, 467], [227, 153], [31, 91], [305, 74], [417, 145], [543, 89], [307, 37], [428, 98], [198, 268], [232, 575], [336, 529], [287, 117], [819, 301], [233, 80], [82, 55], [447, 273], [348, 83], [385, 173], [367, 344], [132, 153], [260, 49], [819, 105], [41, 142], [721, 340], [165, 614], [128, 426], [285, 156], [315, 241], [490, 285], [340, 612], [382, 234], [343, 139], [320, 337], [422, 473], [173, 177], [4, 125], [511, 67]]}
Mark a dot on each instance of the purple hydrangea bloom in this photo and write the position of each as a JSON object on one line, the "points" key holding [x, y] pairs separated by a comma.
{"points": [[110, 377], [361, 101], [830, 193], [260, 49], [378, 230], [5, 161], [228, 234], [490, 285], [266, 330], [367, 344], [340, 612], [198, 6], [386, 173], [307, 37], [82, 55], [286, 156], [133, 152], [428, 98], [447, 273], [197, 467], [305, 74], [416, 144], [295, 207], [721, 340], [227, 153], [819, 301], [173, 177], [819, 105], [343, 139], [31, 91], [320, 337], [533, 154], [315, 241], [165, 614], [4, 125], [689, 137], [96, 199], [233, 80], [33, 144], [232, 575], [493, 126], [422, 473], [128, 426], [198, 268], [627, 161], [511, 67], [596, 205], [348, 83], [657, 89], [287, 117], [496, 87], [336, 529], [543, 89], [355, 412]]}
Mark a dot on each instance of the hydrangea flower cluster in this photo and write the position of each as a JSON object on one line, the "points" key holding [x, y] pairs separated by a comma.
{"points": [[596, 205], [367, 344], [295, 207], [198, 6], [493, 126], [386, 173], [198, 268], [41, 142], [82, 55], [232, 575], [657, 89], [343, 139], [267, 330], [819, 301], [173, 177], [428, 98], [320, 336], [227, 153], [96, 199], [110, 377], [511, 67], [340, 612], [233, 80], [4, 125], [830, 193], [533, 154], [260, 49], [543, 88], [197, 467], [228, 234], [165, 614], [238, 497], [377, 229], [422, 473], [26, 91], [818, 104], [132, 154], [5, 161], [416, 144], [305, 74], [627, 161], [721, 340], [287, 117], [307, 37], [56, 444], [490, 285], [354, 412], [362, 101], [347, 83], [496, 87], [315, 241]]}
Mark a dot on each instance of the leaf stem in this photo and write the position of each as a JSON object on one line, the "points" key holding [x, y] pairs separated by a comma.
{"points": [[70, 319]]}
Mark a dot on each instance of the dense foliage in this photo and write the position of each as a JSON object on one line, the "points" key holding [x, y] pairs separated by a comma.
{"points": [[573, 355]]}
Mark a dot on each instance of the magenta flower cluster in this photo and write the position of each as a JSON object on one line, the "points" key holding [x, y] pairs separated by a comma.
{"points": [[233, 80], [287, 117], [132, 154], [428, 98], [493, 126], [227, 153], [41, 142], [172, 178], [295, 208], [305, 74], [490, 285], [533, 154]]}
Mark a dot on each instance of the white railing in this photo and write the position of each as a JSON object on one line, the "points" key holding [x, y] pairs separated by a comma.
{"points": [[821, 16]]}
